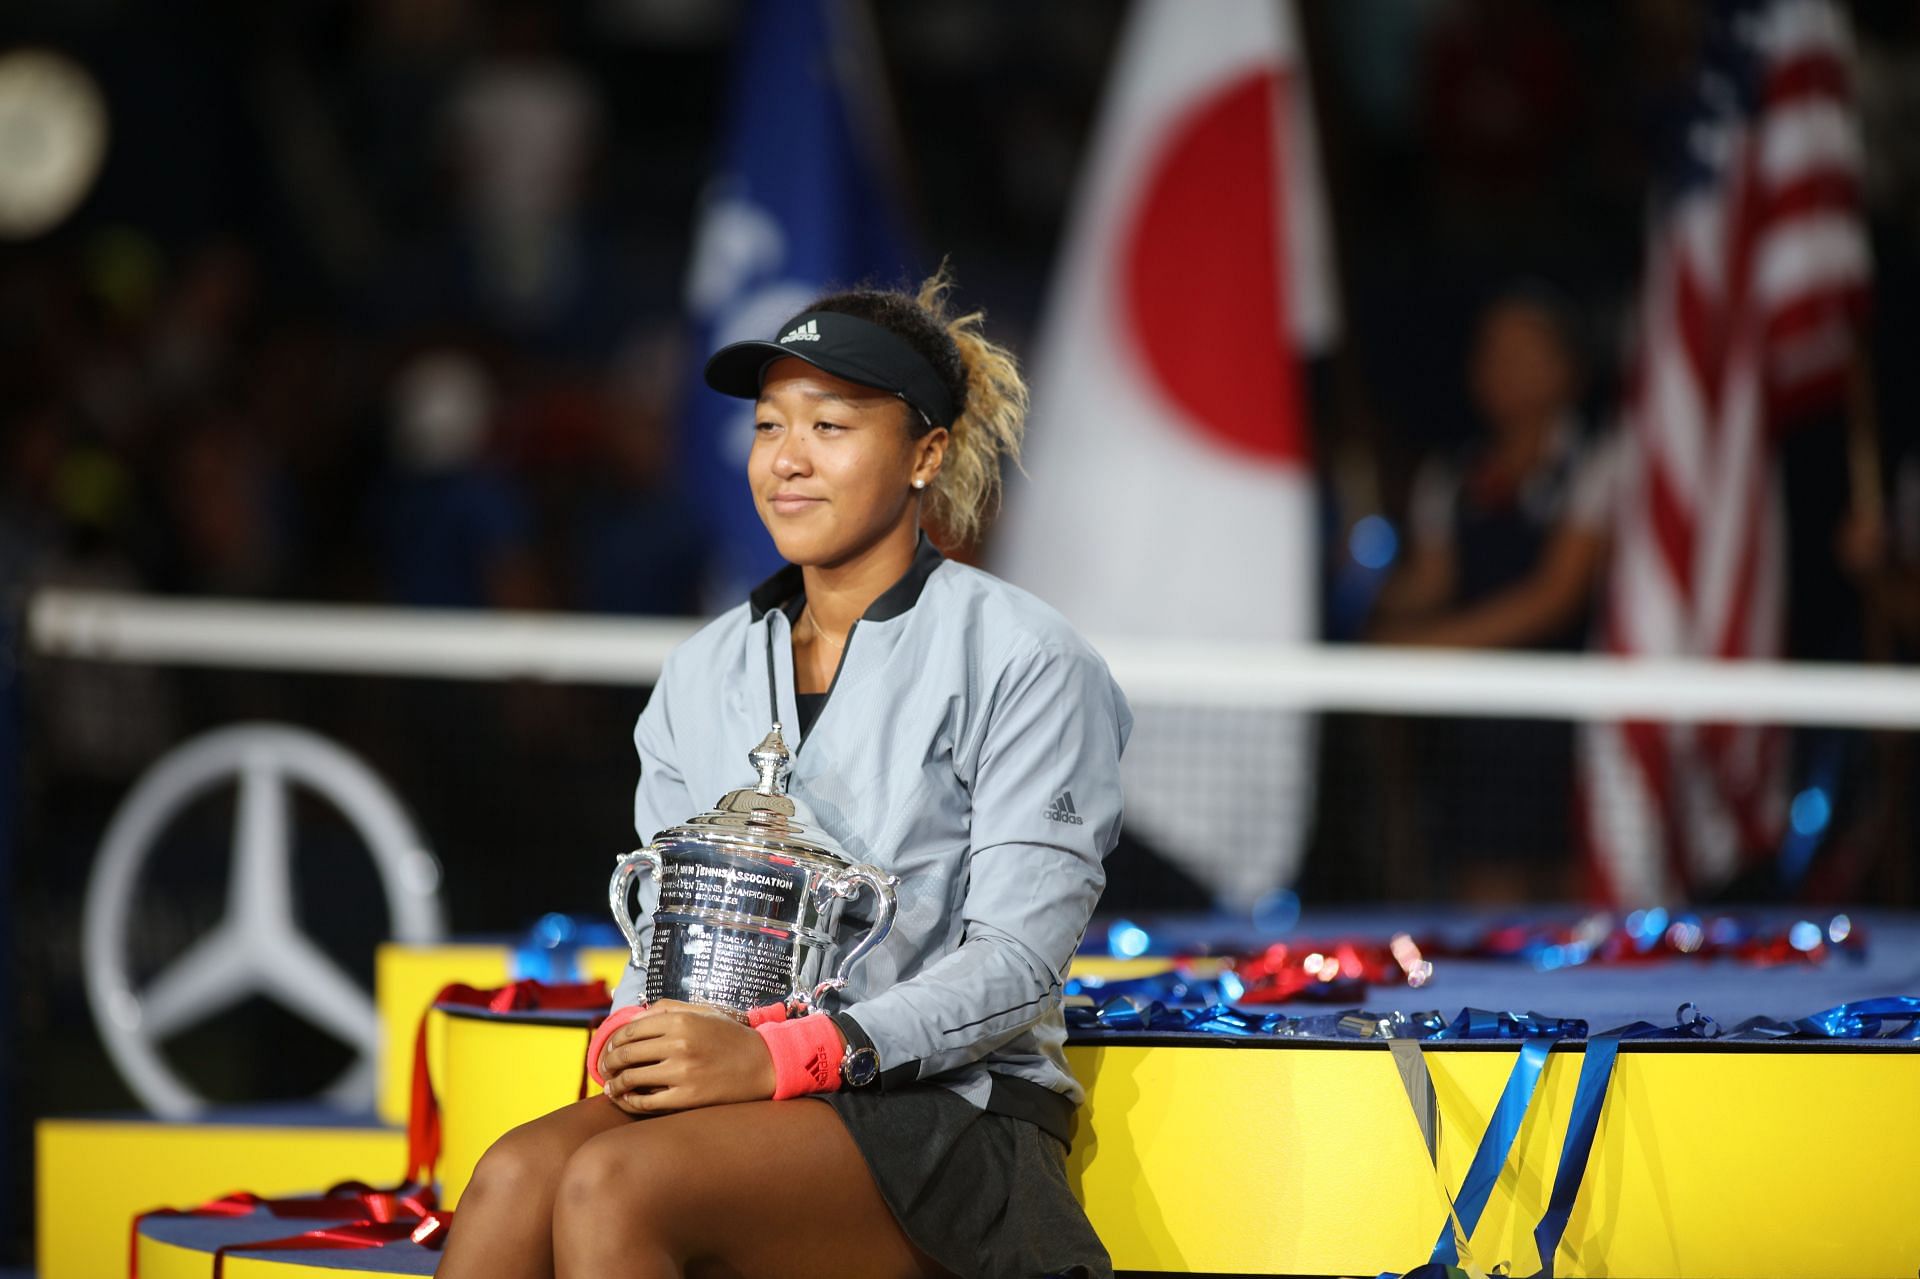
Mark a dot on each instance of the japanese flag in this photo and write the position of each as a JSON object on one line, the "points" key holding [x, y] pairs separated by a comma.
{"points": [[1169, 489]]}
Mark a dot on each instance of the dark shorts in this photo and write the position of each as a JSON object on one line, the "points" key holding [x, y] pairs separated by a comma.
{"points": [[982, 1194]]}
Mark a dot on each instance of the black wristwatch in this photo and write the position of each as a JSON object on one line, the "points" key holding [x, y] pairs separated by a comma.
{"points": [[860, 1065]]}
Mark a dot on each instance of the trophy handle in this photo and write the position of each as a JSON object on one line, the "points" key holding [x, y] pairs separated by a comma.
{"points": [[641, 858], [848, 884]]}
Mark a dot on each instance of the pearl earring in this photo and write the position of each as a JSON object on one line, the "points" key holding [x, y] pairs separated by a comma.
{"points": [[919, 484]]}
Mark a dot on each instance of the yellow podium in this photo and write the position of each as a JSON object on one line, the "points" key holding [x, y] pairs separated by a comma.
{"points": [[1301, 1157], [93, 1175], [1238, 1156]]}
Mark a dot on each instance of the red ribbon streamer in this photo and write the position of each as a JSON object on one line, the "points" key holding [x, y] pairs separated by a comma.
{"points": [[423, 1115], [404, 1205], [1300, 969], [350, 1235], [362, 1216]]}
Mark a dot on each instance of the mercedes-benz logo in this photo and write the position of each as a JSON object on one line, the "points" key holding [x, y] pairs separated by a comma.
{"points": [[258, 947]]}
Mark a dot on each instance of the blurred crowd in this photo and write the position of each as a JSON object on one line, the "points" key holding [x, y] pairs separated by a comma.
{"points": [[381, 302], [390, 355]]}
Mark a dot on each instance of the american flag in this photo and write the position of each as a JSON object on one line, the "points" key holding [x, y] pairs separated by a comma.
{"points": [[1755, 279]]}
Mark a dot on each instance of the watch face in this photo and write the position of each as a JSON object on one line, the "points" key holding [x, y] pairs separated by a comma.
{"points": [[860, 1067]]}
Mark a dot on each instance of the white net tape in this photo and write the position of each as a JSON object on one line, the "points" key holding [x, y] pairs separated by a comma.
{"points": [[497, 646], [1220, 772]]}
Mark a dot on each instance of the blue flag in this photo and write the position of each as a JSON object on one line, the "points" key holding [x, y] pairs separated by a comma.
{"points": [[802, 203]]}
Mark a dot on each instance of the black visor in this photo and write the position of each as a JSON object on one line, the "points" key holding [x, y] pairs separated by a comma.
{"points": [[845, 346]]}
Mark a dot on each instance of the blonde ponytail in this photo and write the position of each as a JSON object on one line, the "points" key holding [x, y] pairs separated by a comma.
{"points": [[992, 419]]}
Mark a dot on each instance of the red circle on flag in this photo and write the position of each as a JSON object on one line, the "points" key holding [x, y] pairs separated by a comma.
{"points": [[1202, 285]]}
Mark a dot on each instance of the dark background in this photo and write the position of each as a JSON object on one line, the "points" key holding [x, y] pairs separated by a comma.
{"points": [[196, 374]]}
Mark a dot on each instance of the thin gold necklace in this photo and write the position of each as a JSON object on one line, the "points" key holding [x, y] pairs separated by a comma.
{"points": [[806, 613]]}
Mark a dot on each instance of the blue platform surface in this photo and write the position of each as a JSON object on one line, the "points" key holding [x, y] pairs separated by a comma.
{"points": [[1604, 995], [207, 1234]]}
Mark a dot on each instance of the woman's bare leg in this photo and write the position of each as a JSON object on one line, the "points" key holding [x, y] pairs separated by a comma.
{"points": [[760, 1188], [504, 1225]]}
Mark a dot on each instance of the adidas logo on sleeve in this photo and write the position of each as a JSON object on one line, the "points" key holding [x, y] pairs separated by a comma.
{"points": [[808, 332], [1062, 810]]}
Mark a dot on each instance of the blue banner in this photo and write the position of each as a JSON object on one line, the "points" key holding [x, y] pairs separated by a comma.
{"points": [[803, 201]]}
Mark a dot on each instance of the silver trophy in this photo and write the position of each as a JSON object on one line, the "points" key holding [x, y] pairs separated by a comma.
{"points": [[749, 901]]}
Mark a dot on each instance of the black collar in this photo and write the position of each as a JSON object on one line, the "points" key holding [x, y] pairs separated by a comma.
{"points": [[785, 590]]}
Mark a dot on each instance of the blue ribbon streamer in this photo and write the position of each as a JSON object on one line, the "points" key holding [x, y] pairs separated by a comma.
{"points": [[1495, 1144], [1689, 1023], [1862, 1019], [1134, 1013], [1478, 1023], [1890, 1017], [1589, 1097]]}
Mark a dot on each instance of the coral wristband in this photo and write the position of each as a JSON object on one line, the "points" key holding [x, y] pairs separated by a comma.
{"points": [[757, 1017], [598, 1044], [806, 1055]]}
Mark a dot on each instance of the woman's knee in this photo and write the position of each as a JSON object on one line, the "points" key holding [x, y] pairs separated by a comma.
{"points": [[521, 1165], [624, 1177]]}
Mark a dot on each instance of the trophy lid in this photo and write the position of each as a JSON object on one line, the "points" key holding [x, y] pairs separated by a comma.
{"points": [[763, 814]]}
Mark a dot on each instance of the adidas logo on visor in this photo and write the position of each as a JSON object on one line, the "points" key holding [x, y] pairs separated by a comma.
{"points": [[808, 332]]}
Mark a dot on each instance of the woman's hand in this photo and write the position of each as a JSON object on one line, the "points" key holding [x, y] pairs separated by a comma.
{"points": [[679, 1056]]}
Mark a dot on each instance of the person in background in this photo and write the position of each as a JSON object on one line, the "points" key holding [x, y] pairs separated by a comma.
{"points": [[1507, 545], [451, 530], [635, 541], [1507, 541]]}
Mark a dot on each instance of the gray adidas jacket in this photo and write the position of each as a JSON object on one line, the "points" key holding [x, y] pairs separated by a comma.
{"points": [[971, 746]]}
